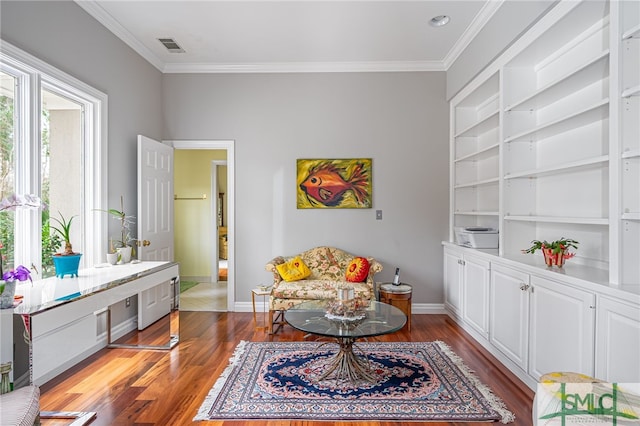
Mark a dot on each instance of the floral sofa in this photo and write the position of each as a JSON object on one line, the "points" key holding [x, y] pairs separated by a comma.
{"points": [[328, 269]]}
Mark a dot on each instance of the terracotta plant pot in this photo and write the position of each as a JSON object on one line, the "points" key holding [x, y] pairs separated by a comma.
{"points": [[552, 259]]}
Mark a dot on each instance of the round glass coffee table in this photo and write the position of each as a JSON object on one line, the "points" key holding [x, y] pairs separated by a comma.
{"points": [[346, 365]]}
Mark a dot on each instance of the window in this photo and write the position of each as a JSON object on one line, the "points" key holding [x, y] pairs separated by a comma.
{"points": [[53, 145]]}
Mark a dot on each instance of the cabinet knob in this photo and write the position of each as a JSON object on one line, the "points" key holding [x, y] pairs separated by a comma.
{"points": [[524, 287]]}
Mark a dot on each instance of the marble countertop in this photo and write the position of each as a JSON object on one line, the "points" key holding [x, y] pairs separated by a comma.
{"points": [[51, 292]]}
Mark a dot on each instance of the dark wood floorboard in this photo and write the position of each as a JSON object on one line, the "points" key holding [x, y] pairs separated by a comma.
{"points": [[130, 387]]}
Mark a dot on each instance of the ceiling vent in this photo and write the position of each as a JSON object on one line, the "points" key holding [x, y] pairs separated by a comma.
{"points": [[171, 45]]}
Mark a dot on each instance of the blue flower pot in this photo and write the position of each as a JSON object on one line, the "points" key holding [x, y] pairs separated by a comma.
{"points": [[67, 264]]}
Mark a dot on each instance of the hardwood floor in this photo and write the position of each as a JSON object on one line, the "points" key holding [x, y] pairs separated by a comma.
{"points": [[131, 387]]}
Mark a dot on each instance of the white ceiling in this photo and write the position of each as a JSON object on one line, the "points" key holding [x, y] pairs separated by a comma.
{"points": [[302, 35]]}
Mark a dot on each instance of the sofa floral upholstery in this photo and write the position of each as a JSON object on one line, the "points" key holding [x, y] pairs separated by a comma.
{"points": [[328, 267]]}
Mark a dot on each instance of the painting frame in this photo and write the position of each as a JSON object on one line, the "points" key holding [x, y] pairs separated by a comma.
{"points": [[334, 183]]}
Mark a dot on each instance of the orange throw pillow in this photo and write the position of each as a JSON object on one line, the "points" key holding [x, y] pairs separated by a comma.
{"points": [[358, 270]]}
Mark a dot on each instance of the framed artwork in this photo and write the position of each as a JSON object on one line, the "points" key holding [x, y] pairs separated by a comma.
{"points": [[333, 183]]}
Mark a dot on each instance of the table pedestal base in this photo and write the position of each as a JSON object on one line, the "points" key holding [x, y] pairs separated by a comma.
{"points": [[346, 365]]}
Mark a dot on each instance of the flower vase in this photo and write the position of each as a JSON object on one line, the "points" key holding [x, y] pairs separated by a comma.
{"points": [[6, 298], [551, 258], [125, 254]]}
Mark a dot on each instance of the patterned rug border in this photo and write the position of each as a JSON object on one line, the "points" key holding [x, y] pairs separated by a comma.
{"points": [[494, 401]]}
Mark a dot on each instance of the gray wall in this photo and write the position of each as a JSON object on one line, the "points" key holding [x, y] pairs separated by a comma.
{"points": [[512, 19], [400, 120], [65, 36]]}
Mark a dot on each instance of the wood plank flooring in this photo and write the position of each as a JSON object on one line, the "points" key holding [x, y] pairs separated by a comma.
{"points": [[130, 387]]}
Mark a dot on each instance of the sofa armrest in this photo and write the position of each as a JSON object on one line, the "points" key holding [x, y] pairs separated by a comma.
{"points": [[271, 267]]}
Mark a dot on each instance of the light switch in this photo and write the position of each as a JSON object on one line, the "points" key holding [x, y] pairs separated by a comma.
{"points": [[378, 214]]}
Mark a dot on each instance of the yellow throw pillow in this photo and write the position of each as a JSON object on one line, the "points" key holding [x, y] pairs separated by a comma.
{"points": [[293, 270]]}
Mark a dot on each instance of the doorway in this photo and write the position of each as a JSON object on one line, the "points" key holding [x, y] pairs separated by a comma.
{"points": [[204, 225]]}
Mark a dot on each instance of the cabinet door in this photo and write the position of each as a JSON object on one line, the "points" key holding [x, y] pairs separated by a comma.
{"points": [[617, 341], [561, 328], [475, 294], [453, 281], [509, 307]]}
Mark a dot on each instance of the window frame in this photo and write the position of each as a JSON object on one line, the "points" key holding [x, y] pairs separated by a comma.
{"points": [[34, 74]]}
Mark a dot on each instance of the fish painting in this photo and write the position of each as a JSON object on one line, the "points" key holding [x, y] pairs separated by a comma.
{"points": [[334, 183]]}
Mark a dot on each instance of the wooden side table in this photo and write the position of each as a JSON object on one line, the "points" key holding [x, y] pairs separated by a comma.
{"points": [[264, 293], [398, 296]]}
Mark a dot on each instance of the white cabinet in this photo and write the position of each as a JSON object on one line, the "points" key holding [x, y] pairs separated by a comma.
{"points": [[617, 341], [466, 289], [561, 328], [509, 319], [475, 293], [541, 325], [453, 276]]}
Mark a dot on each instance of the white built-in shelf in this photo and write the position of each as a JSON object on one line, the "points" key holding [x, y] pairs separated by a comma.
{"points": [[632, 153], [631, 216], [477, 213], [578, 119], [482, 126], [571, 82], [631, 91], [560, 219], [477, 183], [559, 168], [633, 32], [481, 154]]}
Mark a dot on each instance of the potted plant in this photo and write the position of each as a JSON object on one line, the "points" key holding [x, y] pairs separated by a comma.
{"points": [[66, 262], [555, 252], [123, 244]]}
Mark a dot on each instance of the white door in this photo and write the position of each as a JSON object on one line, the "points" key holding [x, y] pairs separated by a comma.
{"points": [[453, 282], [562, 320], [509, 313], [155, 223], [475, 293]]}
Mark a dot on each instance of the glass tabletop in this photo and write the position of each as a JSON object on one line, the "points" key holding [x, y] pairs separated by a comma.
{"points": [[379, 318]]}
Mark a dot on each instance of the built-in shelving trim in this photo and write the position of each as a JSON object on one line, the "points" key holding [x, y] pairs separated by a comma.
{"points": [[559, 168], [633, 32], [588, 71], [477, 183], [559, 219], [572, 121], [477, 213], [480, 154], [482, 126], [633, 153], [631, 91], [631, 216]]}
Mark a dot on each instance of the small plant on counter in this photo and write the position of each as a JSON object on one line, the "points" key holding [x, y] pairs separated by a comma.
{"points": [[555, 252]]}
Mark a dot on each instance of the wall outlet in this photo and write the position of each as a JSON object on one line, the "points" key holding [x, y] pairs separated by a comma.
{"points": [[127, 302]]}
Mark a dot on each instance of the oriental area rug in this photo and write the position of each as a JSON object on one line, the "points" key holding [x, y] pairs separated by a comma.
{"points": [[416, 381]]}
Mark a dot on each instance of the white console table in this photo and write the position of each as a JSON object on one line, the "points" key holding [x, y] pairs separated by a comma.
{"points": [[61, 314]]}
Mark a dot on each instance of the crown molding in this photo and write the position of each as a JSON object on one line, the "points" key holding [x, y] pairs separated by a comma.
{"points": [[104, 18], [305, 67], [478, 23]]}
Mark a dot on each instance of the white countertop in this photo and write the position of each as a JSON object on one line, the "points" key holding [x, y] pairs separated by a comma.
{"points": [[50, 292]]}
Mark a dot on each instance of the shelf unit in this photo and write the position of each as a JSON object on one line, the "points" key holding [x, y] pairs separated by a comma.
{"points": [[628, 37], [475, 154], [546, 140]]}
